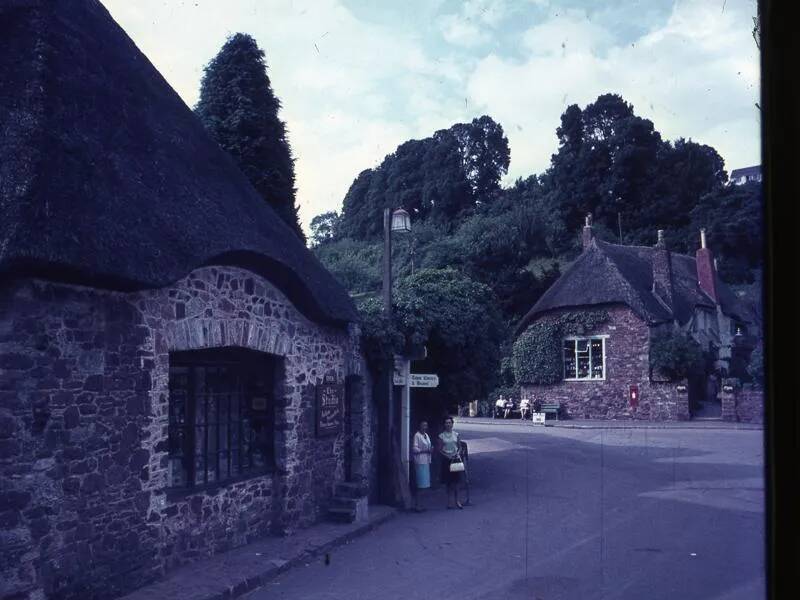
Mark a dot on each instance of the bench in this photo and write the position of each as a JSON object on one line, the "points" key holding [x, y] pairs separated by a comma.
{"points": [[550, 407]]}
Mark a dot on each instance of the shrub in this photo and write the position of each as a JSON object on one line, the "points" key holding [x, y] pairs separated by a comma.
{"points": [[755, 366], [676, 355]]}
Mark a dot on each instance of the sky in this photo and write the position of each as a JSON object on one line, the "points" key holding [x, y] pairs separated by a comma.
{"points": [[356, 78]]}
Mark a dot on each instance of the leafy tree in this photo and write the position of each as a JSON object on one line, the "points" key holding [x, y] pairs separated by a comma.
{"points": [[356, 265], [614, 164], [324, 228], [439, 179], [459, 322], [732, 218], [686, 172], [496, 251], [381, 338], [239, 109], [485, 154]]}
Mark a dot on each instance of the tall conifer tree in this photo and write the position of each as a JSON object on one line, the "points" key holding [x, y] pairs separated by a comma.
{"points": [[239, 109]]}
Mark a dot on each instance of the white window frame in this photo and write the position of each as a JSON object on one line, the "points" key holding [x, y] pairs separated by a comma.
{"points": [[576, 338]]}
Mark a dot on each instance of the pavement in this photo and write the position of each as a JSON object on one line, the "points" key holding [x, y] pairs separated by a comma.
{"points": [[238, 571], [618, 424], [568, 514], [594, 510]]}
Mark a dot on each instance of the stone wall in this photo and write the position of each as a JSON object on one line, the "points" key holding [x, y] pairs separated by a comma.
{"points": [[627, 363], [84, 511], [744, 404]]}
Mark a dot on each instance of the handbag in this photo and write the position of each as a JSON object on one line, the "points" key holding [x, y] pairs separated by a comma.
{"points": [[457, 466]]}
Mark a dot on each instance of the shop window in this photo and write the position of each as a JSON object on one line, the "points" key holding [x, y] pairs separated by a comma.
{"points": [[221, 416], [584, 358]]}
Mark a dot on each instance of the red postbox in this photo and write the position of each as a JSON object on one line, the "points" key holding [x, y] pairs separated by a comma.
{"points": [[633, 394]]}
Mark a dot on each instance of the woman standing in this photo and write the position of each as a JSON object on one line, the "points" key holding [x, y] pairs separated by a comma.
{"points": [[452, 467], [421, 449]]}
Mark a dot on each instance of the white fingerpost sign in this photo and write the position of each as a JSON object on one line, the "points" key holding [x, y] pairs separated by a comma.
{"points": [[537, 418], [426, 380]]}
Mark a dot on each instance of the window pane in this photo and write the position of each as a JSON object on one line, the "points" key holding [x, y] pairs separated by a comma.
{"points": [[597, 358], [583, 365], [569, 359], [220, 417]]}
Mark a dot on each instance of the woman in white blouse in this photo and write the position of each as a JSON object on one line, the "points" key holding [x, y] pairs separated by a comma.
{"points": [[421, 449]]}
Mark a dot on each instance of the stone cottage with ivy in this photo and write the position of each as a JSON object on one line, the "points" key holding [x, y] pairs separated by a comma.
{"points": [[164, 336], [586, 344]]}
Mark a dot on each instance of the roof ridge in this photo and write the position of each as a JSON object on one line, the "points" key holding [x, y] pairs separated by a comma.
{"points": [[629, 287]]}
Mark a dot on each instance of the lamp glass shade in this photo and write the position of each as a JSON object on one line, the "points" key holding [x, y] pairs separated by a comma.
{"points": [[401, 221]]}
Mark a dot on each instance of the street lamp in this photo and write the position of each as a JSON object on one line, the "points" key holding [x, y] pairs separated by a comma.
{"points": [[393, 221]]}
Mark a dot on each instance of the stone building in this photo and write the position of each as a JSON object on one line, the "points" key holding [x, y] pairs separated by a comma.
{"points": [[643, 290], [178, 373]]}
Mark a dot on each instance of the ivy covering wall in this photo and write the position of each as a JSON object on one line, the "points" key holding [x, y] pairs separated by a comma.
{"points": [[537, 353]]}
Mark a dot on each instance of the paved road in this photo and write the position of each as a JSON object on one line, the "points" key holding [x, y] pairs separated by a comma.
{"points": [[569, 514]]}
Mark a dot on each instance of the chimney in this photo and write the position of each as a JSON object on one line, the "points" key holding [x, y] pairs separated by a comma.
{"points": [[706, 271], [587, 231], [662, 272]]}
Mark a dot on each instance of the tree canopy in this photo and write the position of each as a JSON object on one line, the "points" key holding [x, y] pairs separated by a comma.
{"points": [[615, 165], [513, 241], [239, 109], [438, 179]]}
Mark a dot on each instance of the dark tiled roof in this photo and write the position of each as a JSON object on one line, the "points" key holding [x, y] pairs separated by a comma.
{"points": [[611, 274], [108, 179]]}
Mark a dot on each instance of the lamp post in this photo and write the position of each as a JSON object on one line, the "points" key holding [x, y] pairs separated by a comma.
{"points": [[400, 222]]}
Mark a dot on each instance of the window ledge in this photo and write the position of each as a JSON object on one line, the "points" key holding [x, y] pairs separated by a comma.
{"points": [[212, 489]]}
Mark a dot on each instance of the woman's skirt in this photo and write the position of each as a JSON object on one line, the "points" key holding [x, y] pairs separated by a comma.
{"points": [[447, 476], [422, 476]]}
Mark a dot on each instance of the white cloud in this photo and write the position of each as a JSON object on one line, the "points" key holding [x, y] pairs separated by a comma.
{"points": [[339, 79], [570, 31], [353, 90], [697, 76], [473, 25], [462, 32]]}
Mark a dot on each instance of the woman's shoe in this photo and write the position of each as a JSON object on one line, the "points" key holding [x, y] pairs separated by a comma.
{"points": [[459, 505]]}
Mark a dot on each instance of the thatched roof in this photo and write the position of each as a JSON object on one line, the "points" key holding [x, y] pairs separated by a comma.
{"points": [[107, 179], [606, 274]]}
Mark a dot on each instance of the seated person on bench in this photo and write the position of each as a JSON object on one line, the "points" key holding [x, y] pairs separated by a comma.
{"points": [[524, 408]]}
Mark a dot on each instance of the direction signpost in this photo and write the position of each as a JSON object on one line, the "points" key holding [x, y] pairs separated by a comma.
{"points": [[424, 380], [420, 380]]}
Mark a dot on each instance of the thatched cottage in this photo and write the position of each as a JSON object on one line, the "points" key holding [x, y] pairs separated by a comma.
{"points": [[164, 336], [640, 291]]}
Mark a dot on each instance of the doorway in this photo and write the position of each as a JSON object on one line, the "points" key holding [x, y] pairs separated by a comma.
{"points": [[704, 398]]}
